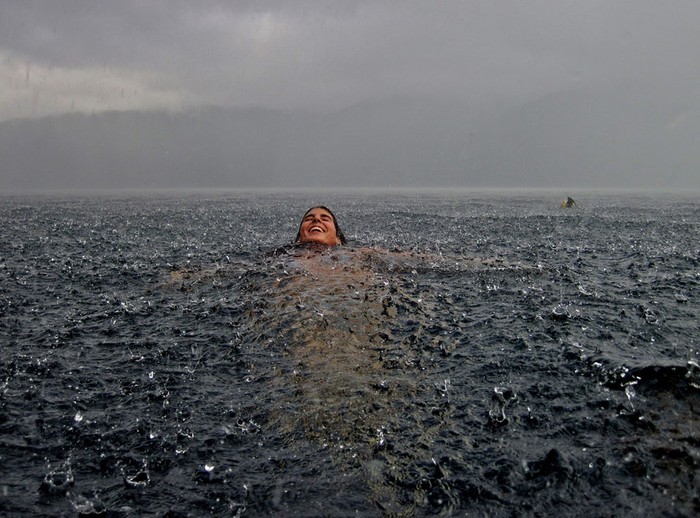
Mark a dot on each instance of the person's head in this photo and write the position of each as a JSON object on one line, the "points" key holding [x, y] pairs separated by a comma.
{"points": [[320, 226]]}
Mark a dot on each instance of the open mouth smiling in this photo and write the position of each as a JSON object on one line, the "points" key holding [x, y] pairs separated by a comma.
{"points": [[318, 226]]}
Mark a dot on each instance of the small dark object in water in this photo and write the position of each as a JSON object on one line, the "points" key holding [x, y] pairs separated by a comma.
{"points": [[568, 203]]}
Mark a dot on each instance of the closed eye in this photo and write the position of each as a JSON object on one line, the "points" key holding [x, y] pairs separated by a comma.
{"points": [[323, 217]]}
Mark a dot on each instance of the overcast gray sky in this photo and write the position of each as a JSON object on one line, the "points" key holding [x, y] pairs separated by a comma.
{"points": [[501, 93], [59, 56]]}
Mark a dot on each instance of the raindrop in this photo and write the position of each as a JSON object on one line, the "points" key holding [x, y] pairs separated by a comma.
{"points": [[583, 291], [85, 506], [141, 479], [59, 480], [681, 297], [560, 313], [650, 317], [630, 393], [502, 397]]}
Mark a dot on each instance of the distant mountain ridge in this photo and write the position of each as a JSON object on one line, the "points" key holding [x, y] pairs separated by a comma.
{"points": [[569, 140]]}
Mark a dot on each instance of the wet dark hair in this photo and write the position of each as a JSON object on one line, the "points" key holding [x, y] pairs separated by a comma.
{"points": [[338, 232]]}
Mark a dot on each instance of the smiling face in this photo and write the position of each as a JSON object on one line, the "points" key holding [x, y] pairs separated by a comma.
{"points": [[318, 226]]}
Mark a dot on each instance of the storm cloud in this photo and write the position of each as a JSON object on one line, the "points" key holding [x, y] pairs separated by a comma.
{"points": [[495, 64]]}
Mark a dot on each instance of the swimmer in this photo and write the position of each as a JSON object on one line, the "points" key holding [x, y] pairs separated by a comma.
{"points": [[319, 230], [320, 226]]}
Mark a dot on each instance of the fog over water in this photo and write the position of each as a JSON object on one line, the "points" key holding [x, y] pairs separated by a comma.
{"points": [[354, 94]]}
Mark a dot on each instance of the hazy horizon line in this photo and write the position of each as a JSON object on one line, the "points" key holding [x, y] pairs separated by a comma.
{"points": [[369, 190]]}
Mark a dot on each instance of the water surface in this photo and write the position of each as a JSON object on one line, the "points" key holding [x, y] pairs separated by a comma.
{"points": [[466, 354]]}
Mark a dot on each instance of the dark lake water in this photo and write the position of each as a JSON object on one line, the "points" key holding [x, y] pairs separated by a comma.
{"points": [[482, 354]]}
